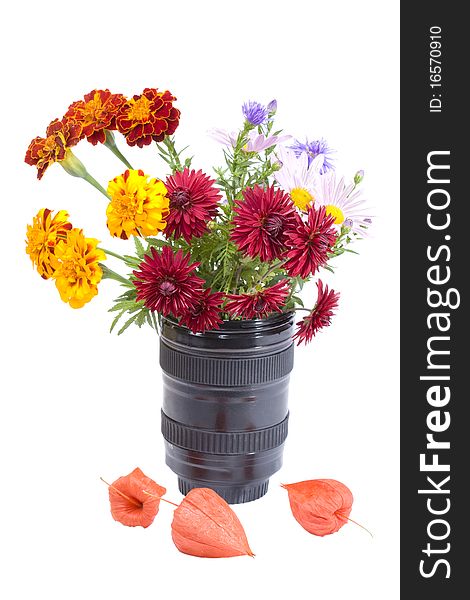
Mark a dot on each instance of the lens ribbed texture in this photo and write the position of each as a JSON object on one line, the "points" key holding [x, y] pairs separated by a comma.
{"points": [[226, 371], [213, 442], [232, 494]]}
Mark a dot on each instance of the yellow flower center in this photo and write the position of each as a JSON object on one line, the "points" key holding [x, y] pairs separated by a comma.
{"points": [[93, 110], [336, 212], [50, 143], [301, 198], [139, 110], [127, 206], [52, 147], [37, 240], [73, 268]]}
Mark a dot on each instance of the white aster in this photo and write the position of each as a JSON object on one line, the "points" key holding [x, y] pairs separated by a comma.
{"points": [[257, 142], [224, 137], [296, 176], [344, 202]]}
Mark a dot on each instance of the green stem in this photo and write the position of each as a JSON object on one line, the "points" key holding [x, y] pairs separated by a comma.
{"points": [[92, 181], [237, 278], [110, 274], [355, 186], [110, 143], [309, 310], [170, 145], [233, 164], [121, 157], [114, 254], [275, 266], [74, 166]]}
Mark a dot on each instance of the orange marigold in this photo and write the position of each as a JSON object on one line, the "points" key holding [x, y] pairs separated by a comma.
{"points": [[61, 135], [96, 113], [150, 116], [42, 238]]}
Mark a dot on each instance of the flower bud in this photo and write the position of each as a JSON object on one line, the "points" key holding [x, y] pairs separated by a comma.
{"points": [[358, 177], [272, 107], [110, 140], [73, 165]]}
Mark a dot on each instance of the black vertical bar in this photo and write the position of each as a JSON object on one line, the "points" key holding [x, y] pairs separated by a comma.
{"points": [[435, 212]]}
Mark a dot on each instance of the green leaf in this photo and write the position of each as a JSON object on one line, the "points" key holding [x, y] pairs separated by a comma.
{"points": [[115, 320], [155, 242], [127, 324], [297, 300], [139, 248]]}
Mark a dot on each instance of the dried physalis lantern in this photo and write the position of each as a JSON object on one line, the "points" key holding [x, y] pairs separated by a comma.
{"points": [[135, 499], [205, 525], [321, 506]]}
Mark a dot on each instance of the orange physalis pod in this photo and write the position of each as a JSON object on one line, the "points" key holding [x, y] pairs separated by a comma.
{"points": [[205, 525], [135, 499], [321, 506]]}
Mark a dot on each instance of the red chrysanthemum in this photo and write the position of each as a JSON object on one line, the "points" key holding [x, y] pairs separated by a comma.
{"points": [[320, 316], [262, 220], [193, 203], [206, 312], [166, 282], [61, 135], [96, 113], [150, 116], [310, 242], [259, 304]]}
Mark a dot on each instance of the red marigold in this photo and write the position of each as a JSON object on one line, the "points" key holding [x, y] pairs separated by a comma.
{"points": [[262, 219], [61, 135], [96, 113], [166, 283], [259, 304], [193, 202], [320, 316], [309, 243], [206, 312], [150, 116]]}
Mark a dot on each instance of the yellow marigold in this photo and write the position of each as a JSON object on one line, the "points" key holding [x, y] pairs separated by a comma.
{"points": [[78, 272], [138, 205], [42, 238]]}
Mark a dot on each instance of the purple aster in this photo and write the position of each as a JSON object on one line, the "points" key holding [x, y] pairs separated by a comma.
{"points": [[254, 112], [313, 149]]}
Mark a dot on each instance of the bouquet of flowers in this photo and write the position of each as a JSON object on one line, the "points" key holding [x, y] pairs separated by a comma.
{"points": [[239, 244]]}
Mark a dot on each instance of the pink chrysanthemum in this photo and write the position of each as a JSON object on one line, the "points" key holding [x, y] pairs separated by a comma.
{"points": [[320, 316], [166, 282], [206, 312], [193, 203], [310, 243], [259, 304], [262, 221]]}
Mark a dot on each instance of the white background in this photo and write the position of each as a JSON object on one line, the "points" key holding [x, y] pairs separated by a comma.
{"points": [[79, 403]]}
